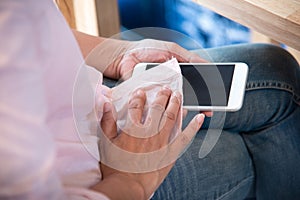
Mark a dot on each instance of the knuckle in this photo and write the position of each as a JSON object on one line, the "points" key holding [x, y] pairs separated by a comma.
{"points": [[173, 46], [194, 127], [170, 115], [135, 103], [105, 118], [166, 93], [157, 107], [184, 139], [176, 98]]}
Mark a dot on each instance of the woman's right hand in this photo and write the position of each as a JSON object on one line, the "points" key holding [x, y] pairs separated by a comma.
{"points": [[141, 155]]}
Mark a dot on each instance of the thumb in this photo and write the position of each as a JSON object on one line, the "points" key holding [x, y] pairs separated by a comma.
{"points": [[184, 139], [108, 123], [190, 131]]}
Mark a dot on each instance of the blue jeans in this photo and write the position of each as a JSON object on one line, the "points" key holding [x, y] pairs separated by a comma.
{"points": [[258, 153]]}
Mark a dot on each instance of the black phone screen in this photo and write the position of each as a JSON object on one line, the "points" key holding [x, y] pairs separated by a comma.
{"points": [[205, 85]]}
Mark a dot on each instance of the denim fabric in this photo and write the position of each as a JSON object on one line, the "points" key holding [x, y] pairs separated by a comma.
{"points": [[258, 152]]}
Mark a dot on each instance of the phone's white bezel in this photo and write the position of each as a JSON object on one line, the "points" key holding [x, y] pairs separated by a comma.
{"points": [[237, 91]]}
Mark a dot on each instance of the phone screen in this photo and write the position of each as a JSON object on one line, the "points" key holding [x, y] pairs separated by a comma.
{"points": [[205, 85]]}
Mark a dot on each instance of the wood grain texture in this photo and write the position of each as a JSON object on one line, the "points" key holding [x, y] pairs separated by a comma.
{"points": [[277, 19], [94, 17], [67, 9], [108, 17]]}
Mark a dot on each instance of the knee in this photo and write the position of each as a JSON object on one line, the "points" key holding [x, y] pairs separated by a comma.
{"points": [[273, 57], [272, 66]]}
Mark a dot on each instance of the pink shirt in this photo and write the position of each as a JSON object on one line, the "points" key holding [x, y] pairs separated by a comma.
{"points": [[42, 156]]}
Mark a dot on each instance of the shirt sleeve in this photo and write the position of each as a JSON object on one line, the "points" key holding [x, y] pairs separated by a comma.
{"points": [[42, 155]]}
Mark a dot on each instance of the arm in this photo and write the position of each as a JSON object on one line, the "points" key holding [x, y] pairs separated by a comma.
{"points": [[86, 42]]}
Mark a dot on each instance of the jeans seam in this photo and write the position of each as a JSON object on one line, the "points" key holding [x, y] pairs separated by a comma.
{"points": [[271, 84], [235, 188]]}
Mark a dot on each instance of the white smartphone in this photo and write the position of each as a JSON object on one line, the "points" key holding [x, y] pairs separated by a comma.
{"points": [[209, 86]]}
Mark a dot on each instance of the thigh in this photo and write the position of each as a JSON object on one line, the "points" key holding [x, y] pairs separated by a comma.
{"points": [[269, 119], [272, 90], [226, 172], [270, 68]]}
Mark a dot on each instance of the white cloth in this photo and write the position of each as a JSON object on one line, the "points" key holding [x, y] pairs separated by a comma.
{"points": [[152, 81]]}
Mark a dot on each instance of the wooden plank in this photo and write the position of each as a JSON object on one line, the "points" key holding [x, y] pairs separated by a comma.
{"points": [[94, 17], [108, 17], [279, 20], [67, 9], [86, 16], [282, 8]]}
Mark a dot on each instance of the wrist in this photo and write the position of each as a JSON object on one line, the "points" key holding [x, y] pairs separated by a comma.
{"points": [[106, 56], [86, 42], [120, 186]]}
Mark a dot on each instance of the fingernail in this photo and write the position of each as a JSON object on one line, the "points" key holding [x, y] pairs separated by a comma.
{"points": [[200, 118], [107, 107]]}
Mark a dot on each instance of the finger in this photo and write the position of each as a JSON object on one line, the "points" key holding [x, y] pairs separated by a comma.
{"points": [[184, 113], [208, 113], [176, 148], [182, 54], [108, 123], [195, 58], [127, 65], [185, 138], [157, 108], [170, 116], [162, 97], [151, 54], [193, 127], [136, 106]]}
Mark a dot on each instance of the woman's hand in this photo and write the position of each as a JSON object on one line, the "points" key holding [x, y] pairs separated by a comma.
{"points": [[155, 51], [141, 155], [117, 58], [147, 50]]}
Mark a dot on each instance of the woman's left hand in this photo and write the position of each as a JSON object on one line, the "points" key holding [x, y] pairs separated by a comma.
{"points": [[117, 58], [152, 51]]}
